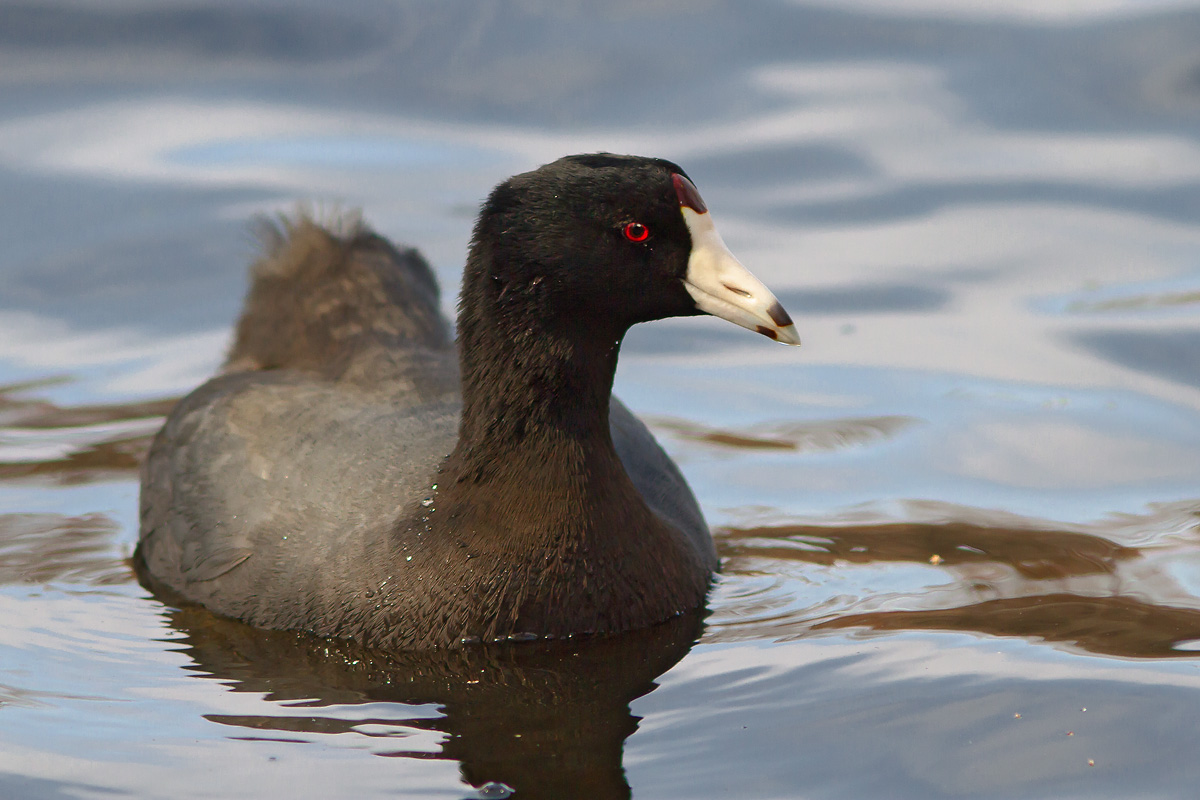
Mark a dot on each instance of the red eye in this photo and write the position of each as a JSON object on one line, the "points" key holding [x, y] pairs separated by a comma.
{"points": [[636, 232]]}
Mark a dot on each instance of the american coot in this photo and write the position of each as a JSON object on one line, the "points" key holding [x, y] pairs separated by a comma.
{"points": [[347, 475]]}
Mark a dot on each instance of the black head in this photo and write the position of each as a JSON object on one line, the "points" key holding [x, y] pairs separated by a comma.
{"points": [[597, 239], [605, 241]]}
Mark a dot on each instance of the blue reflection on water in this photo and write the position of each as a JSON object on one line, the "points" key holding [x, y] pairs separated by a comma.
{"points": [[346, 152]]}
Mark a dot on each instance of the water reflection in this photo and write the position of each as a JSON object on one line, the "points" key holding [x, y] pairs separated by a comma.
{"points": [[53, 548], [867, 299], [1034, 554], [545, 719], [1116, 626], [1132, 299], [1074, 587], [1170, 354], [178, 39], [829, 434], [67, 445]]}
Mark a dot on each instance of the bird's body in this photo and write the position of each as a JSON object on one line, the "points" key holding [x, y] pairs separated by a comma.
{"points": [[349, 474]]}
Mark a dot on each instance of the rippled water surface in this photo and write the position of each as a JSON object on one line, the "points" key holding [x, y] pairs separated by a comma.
{"points": [[960, 526]]}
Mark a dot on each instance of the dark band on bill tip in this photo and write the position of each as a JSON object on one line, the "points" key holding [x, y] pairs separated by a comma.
{"points": [[778, 315]]}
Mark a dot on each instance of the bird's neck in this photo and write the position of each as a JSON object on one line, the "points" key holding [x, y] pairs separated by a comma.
{"points": [[533, 513], [536, 396], [533, 380], [537, 368]]}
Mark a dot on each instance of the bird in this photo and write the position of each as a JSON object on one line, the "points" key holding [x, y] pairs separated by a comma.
{"points": [[356, 471]]}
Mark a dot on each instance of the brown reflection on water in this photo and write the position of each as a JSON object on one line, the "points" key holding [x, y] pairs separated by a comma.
{"points": [[832, 434], [1137, 302], [51, 548], [1036, 554], [1071, 587], [1117, 626], [547, 719], [72, 445]]}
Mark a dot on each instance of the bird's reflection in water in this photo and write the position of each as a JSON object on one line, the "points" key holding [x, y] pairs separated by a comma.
{"points": [[547, 719]]}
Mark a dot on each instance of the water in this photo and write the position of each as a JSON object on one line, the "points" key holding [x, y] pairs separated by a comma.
{"points": [[958, 526]]}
